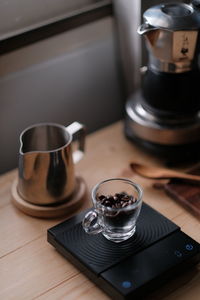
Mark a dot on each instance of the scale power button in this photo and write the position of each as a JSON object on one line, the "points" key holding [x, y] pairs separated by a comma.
{"points": [[126, 284], [189, 247], [178, 253]]}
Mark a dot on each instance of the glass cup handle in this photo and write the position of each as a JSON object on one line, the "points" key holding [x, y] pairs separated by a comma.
{"points": [[78, 129], [90, 223]]}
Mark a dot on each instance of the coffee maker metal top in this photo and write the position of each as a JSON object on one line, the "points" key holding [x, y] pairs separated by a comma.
{"points": [[171, 31], [171, 16]]}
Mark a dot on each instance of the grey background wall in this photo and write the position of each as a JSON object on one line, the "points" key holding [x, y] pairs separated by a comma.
{"points": [[75, 75], [72, 76]]}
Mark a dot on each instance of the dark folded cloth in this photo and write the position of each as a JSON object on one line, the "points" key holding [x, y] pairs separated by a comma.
{"points": [[185, 193]]}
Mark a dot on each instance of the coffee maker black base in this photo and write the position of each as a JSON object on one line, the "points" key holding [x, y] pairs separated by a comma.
{"points": [[155, 254], [186, 153], [171, 136]]}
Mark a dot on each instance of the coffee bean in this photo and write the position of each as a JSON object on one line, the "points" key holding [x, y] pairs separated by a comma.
{"points": [[119, 200], [117, 195], [101, 197], [107, 203]]}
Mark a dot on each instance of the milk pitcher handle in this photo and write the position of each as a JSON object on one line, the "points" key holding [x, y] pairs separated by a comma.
{"points": [[78, 129]]}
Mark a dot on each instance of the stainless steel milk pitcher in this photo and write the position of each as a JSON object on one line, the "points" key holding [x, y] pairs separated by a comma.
{"points": [[46, 162]]}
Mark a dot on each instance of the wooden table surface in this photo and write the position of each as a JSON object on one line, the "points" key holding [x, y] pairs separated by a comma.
{"points": [[30, 268]]}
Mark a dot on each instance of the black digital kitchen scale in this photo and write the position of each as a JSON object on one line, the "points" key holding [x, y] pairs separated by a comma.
{"points": [[159, 250]]}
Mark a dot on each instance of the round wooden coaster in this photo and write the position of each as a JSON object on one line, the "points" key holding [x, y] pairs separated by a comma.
{"points": [[41, 211]]}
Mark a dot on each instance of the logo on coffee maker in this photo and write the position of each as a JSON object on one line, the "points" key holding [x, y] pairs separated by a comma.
{"points": [[185, 45]]}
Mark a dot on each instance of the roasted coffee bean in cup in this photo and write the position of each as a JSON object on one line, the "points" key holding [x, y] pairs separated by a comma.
{"points": [[117, 203], [118, 200]]}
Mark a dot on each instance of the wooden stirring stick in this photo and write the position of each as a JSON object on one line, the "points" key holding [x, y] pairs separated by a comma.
{"points": [[162, 173]]}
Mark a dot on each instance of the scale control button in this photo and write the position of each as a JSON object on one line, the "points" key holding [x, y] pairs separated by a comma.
{"points": [[189, 247], [126, 284], [178, 253]]}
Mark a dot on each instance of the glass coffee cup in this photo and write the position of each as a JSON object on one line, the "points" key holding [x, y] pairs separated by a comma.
{"points": [[116, 207]]}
